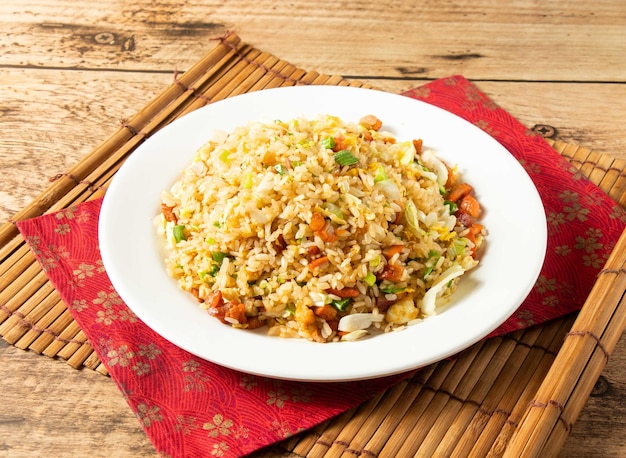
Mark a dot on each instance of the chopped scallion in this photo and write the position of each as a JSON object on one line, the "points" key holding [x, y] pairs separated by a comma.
{"points": [[214, 270], [218, 256], [453, 207], [381, 175], [370, 279], [392, 289], [225, 156], [246, 181], [341, 304], [345, 157], [433, 257], [328, 143], [179, 233]]}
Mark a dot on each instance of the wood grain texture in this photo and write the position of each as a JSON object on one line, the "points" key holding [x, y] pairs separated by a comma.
{"points": [[522, 40], [70, 71]]}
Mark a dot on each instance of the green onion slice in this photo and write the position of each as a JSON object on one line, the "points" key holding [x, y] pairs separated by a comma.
{"points": [[179, 233], [328, 143], [218, 256], [391, 289], [341, 304], [345, 157]]}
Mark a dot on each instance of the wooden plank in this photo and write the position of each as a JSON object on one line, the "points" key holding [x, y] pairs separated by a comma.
{"points": [[57, 418], [556, 41]]}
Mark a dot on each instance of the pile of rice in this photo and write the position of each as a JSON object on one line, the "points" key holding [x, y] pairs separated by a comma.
{"points": [[317, 228]]}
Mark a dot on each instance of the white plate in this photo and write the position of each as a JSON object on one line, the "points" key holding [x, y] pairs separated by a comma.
{"points": [[486, 297]]}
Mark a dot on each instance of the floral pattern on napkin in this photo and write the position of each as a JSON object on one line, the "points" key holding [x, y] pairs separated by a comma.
{"points": [[190, 407]]}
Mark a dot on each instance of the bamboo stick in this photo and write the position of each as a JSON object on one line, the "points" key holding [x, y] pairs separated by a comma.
{"points": [[313, 437], [9, 250], [15, 264], [602, 170], [268, 77], [14, 295], [525, 386], [30, 315], [205, 89], [427, 406], [364, 424], [43, 326], [579, 346], [388, 425], [496, 408], [329, 438], [93, 362], [77, 358], [51, 348], [100, 368], [463, 419], [49, 327], [79, 341], [618, 191], [492, 408], [243, 72], [457, 397]]}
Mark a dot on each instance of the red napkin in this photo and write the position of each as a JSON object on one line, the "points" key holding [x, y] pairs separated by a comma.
{"points": [[190, 407]]}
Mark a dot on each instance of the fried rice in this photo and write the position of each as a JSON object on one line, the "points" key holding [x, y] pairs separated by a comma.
{"points": [[319, 228]]}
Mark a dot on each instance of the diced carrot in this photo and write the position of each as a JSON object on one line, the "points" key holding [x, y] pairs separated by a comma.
{"points": [[458, 192], [340, 143], [313, 250], [470, 206], [317, 222], [168, 213], [476, 228], [327, 233], [472, 238], [473, 230], [418, 145], [326, 311], [344, 292], [392, 250], [237, 311], [215, 300], [217, 312], [318, 262], [392, 272], [196, 294], [451, 182]]}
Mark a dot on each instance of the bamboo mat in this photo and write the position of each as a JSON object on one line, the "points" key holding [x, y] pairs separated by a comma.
{"points": [[505, 396]]}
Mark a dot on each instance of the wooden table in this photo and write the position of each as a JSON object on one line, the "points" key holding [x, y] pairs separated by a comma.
{"points": [[71, 70]]}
